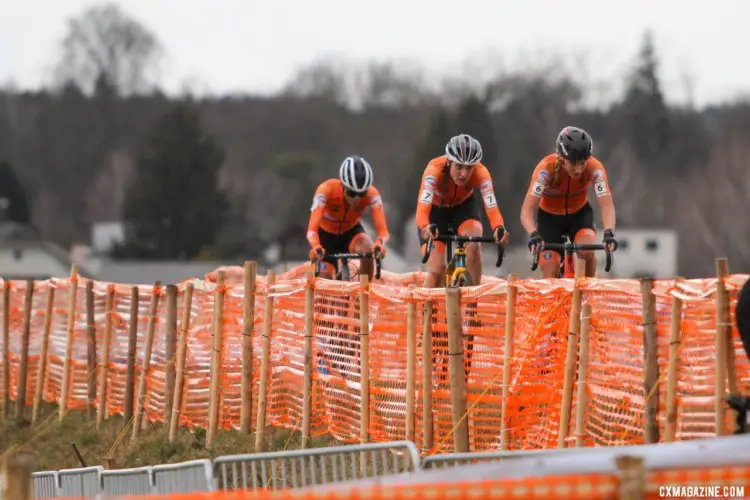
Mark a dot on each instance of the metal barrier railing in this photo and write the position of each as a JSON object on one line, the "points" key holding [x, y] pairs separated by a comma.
{"points": [[454, 459], [281, 469], [356, 465], [300, 468], [185, 477], [137, 481], [45, 484], [79, 483]]}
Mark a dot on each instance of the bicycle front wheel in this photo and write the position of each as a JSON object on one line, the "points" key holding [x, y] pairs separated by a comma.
{"points": [[463, 279]]}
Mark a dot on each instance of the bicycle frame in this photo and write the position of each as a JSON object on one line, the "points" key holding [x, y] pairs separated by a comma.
{"points": [[341, 263], [455, 262], [569, 249]]}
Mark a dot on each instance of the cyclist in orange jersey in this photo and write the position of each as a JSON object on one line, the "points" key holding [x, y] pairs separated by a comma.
{"points": [[445, 205], [337, 207], [558, 193]]}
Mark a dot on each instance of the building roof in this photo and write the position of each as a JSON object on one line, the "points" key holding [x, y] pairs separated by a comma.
{"points": [[14, 235], [168, 272]]}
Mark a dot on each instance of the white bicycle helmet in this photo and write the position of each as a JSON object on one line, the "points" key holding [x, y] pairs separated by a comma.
{"points": [[464, 150], [356, 174]]}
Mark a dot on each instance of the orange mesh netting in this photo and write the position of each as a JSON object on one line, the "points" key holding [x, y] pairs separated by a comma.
{"points": [[615, 410], [732, 482]]}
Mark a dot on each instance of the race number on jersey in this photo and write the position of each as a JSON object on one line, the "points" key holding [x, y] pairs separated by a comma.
{"points": [[538, 188], [488, 195], [426, 196], [600, 186], [489, 200]]}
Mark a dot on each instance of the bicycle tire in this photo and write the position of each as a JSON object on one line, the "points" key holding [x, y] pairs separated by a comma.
{"points": [[464, 280], [466, 277]]}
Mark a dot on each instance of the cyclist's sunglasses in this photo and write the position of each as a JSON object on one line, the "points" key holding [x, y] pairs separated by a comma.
{"points": [[354, 194]]}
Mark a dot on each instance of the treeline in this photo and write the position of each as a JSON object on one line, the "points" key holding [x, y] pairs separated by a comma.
{"points": [[224, 177]]}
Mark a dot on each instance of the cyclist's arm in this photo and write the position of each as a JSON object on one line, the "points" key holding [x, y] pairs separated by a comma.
{"points": [[539, 181], [484, 181], [424, 204], [603, 196], [528, 212], [316, 215], [378, 215]]}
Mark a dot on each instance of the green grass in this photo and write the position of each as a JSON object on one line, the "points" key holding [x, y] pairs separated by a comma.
{"points": [[51, 442]]}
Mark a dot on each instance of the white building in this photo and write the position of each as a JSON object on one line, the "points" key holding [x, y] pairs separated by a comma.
{"points": [[644, 252], [24, 255]]}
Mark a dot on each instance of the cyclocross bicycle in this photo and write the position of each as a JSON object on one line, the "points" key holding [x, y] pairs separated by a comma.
{"points": [[457, 275], [567, 266], [336, 339], [455, 265], [341, 262]]}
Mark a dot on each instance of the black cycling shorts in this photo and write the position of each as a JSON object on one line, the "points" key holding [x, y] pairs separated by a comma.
{"points": [[553, 227], [338, 243], [449, 219]]}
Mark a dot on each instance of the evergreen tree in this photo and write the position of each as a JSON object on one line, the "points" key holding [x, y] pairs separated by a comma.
{"points": [[645, 110], [174, 209], [302, 173], [18, 209]]}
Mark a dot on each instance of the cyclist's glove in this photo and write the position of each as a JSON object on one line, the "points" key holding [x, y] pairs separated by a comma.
{"points": [[534, 239], [499, 233], [432, 229], [379, 248], [317, 253], [609, 239]]}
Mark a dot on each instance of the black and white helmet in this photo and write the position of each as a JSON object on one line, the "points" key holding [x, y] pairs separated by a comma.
{"points": [[356, 174], [574, 144], [464, 150]]}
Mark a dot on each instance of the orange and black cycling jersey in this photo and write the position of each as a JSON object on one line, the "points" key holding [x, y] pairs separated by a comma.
{"points": [[330, 213], [439, 189], [568, 195]]}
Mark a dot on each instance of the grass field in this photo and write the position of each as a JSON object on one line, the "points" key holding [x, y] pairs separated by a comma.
{"points": [[51, 442]]}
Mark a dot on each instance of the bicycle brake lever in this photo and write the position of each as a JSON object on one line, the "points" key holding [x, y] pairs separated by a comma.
{"points": [[608, 264], [427, 250], [500, 255], [535, 258]]}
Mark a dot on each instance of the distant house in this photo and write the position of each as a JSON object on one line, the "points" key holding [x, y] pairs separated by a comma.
{"points": [[25, 255], [104, 235], [645, 253]]}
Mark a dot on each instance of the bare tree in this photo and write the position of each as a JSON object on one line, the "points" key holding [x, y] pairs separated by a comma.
{"points": [[389, 85], [385, 84], [324, 79], [105, 199], [629, 185], [105, 46], [712, 206]]}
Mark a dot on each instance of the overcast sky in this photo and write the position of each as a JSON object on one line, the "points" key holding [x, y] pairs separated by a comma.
{"points": [[253, 46]]}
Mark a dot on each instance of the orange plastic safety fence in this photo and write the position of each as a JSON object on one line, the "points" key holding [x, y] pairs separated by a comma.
{"points": [[616, 403], [732, 482]]}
